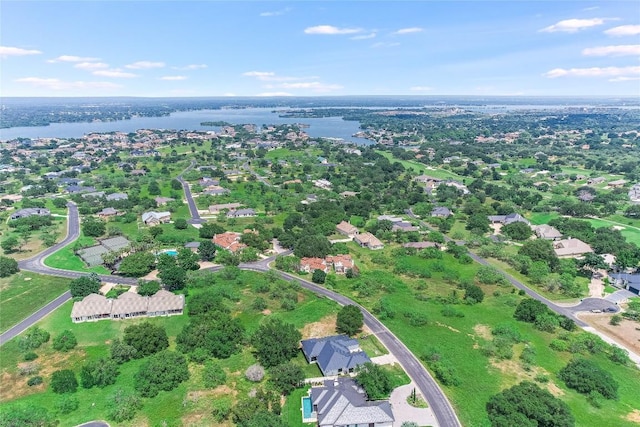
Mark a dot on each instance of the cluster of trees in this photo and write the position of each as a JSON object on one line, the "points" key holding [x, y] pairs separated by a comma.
{"points": [[533, 311], [8, 266], [85, 285]]}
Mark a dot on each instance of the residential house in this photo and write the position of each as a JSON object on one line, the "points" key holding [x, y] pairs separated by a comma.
{"points": [[27, 212], [77, 189], [634, 193], [128, 305], [241, 213], [594, 181], [571, 248], [507, 219], [161, 201], [421, 245], [390, 218], [368, 240], [229, 240], [334, 355], [138, 172], [347, 229], [311, 264], [341, 263], [155, 218], [107, 213], [216, 209], [116, 197], [165, 303], [96, 194], [345, 194], [547, 232], [322, 183], [404, 226], [441, 212], [341, 403], [630, 282], [216, 190], [92, 307], [193, 246], [617, 183]]}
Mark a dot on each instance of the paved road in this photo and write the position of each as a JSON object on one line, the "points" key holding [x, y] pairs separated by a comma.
{"points": [[262, 179], [193, 209], [440, 405]]}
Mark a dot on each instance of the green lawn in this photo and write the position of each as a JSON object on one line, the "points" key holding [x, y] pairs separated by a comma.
{"points": [[539, 218], [25, 292], [291, 411], [372, 346], [66, 259], [421, 168], [630, 232]]}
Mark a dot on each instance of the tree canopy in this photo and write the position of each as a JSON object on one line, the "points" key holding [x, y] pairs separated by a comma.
{"points": [[350, 320], [146, 338], [85, 285], [275, 342], [585, 377], [162, 371]]}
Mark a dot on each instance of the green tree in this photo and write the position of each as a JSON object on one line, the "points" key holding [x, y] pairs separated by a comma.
{"points": [[33, 338], [122, 406], [213, 375], [176, 185], [180, 224], [23, 415], [173, 277], [375, 380], [585, 377], [122, 352], [146, 338], [93, 227], [187, 259], [527, 405], [286, 377], [154, 188], [478, 224], [208, 230], [217, 333], [312, 246], [65, 341], [350, 320], [318, 276], [517, 231], [99, 373], [8, 266], [137, 264], [275, 342], [540, 250], [148, 287], [207, 250], [473, 294], [528, 310], [10, 244], [85, 285], [66, 404], [64, 381], [163, 371]]}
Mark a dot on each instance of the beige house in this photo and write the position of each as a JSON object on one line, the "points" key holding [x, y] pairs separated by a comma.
{"points": [[347, 229], [548, 232], [155, 218], [368, 240], [92, 307], [128, 305], [571, 248]]}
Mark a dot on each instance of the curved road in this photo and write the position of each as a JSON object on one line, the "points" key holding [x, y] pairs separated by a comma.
{"points": [[193, 209]]}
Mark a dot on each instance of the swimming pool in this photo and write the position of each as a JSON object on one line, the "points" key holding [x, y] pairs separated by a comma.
{"points": [[171, 252], [307, 408]]}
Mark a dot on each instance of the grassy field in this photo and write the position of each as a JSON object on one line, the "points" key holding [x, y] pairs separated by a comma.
{"points": [[630, 232], [538, 218], [34, 244], [25, 292], [421, 168]]}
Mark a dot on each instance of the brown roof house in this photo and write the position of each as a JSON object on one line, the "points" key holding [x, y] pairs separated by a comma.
{"points": [[128, 305], [571, 248], [229, 240], [155, 218], [341, 263], [92, 307], [165, 303], [368, 240], [548, 232], [311, 264], [347, 229]]}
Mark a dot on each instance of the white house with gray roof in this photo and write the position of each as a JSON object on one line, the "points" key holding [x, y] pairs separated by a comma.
{"points": [[334, 355], [341, 403]]}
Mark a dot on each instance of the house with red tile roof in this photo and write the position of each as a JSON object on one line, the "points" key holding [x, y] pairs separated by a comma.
{"points": [[229, 241], [312, 264], [340, 263]]}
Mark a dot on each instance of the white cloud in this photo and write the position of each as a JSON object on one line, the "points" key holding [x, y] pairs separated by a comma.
{"points": [[6, 51], [275, 94], [573, 25], [624, 79], [268, 76], [331, 30], [261, 75], [623, 30], [276, 12], [191, 67], [57, 84], [143, 65], [592, 72], [73, 58], [619, 50], [364, 36], [384, 44], [91, 65], [117, 73], [421, 88], [409, 30], [173, 78], [316, 86]]}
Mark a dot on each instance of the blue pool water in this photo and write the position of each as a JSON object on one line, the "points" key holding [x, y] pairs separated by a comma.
{"points": [[306, 407], [171, 252]]}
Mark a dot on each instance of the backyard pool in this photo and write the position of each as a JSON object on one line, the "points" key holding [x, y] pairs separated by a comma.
{"points": [[171, 252], [307, 409]]}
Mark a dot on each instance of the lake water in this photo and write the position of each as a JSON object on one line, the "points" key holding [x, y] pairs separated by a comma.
{"points": [[326, 127]]}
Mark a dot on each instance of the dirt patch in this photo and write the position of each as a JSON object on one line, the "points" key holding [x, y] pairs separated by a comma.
{"points": [[266, 312], [625, 333], [448, 327], [515, 373], [554, 389], [483, 331], [322, 328], [633, 416]]}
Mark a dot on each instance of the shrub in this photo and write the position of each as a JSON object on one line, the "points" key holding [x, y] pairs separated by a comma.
{"points": [[162, 371], [446, 374], [585, 376], [350, 320], [122, 406], [449, 311], [221, 409], [67, 404], [375, 380], [286, 377], [259, 304], [559, 345], [29, 356], [64, 381], [37, 380], [33, 339], [65, 341], [255, 373], [213, 375]]}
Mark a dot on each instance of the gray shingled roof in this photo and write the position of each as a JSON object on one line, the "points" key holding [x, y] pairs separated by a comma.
{"points": [[335, 353]]}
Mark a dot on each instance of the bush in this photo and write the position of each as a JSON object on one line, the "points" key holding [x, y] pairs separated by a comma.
{"points": [[449, 311], [286, 377], [37, 380], [29, 356], [446, 373], [33, 339], [473, 294], [259, 304], [122, 406], [121, 352], [350, 320], [221, 409], [255, 373], [8, 266], [559, 345], [162, 371], [65, 341], [585, 376], [213, 375], [375, 380], [100, 373], [146, 338], [318, 276], [64, 381], [67, 404]]}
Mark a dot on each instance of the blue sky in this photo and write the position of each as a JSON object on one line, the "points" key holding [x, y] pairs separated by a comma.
{"points": [[242, 48]]}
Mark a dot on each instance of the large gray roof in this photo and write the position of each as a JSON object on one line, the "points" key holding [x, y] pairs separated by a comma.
{"points": [[335, 353]]}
